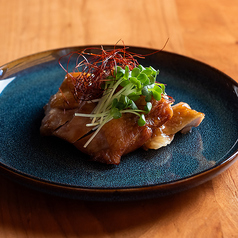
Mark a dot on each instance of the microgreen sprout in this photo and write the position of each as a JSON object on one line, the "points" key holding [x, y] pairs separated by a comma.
{"points": [[121, 91]]}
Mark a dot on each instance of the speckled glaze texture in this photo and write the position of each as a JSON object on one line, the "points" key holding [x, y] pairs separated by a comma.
{"points": [[52, 165]]}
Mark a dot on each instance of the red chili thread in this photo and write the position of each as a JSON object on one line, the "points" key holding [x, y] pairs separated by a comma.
{"points": [[66, 100], [96, 67]]}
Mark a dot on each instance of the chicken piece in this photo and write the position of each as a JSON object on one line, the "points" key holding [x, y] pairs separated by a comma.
{"points": [[184, 118], [116, 138]]}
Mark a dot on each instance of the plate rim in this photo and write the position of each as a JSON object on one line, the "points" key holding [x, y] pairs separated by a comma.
{"points": [[229, 160]]}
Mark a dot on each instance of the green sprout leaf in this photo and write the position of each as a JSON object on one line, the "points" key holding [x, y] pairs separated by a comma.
{"points": [[134, 96], [133, 105], [135, 72], [127, 72], [135, 82], [156, 95], [140, 67], [148, 107], [115, 112], [152, 79], [147, 71], [143, 78], [141, 121], [145, 91], [148, 97]]}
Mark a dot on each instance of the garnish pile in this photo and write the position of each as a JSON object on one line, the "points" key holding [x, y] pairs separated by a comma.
{"points": [[115, 81]]}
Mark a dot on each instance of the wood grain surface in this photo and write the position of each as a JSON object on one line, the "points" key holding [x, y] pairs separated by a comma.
{"points": [[202, 29]]}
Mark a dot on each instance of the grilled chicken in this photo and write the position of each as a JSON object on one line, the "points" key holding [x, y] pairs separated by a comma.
{"points": [[118, 136]]}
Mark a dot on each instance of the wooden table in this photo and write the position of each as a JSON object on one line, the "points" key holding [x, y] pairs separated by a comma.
{"points": [[202, 29]]}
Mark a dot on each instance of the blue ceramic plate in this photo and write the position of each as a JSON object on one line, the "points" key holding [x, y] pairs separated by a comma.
{"points": [[52, 165]]}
